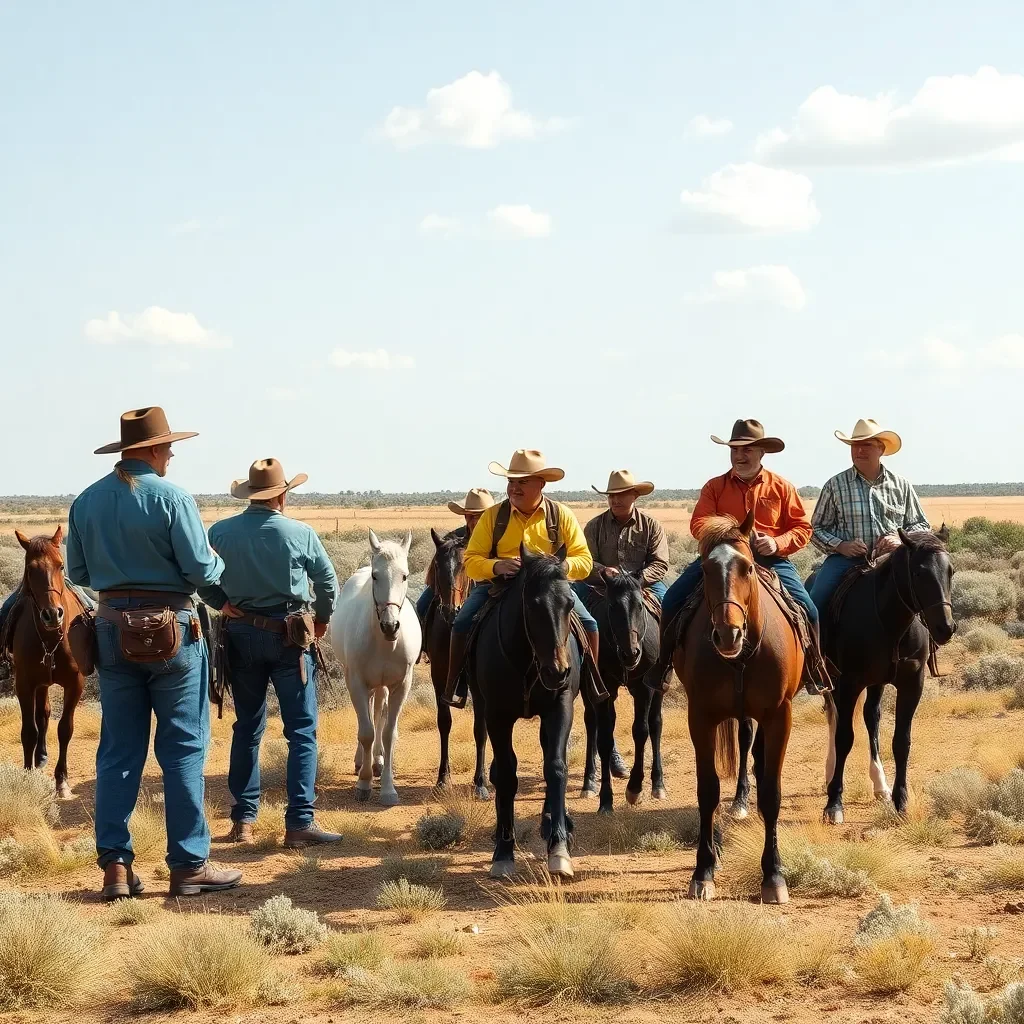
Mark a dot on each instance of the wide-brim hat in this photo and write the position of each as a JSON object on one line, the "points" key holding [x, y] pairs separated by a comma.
{"points": [[527, 462], [143, 428], [620, 480], [266, 480], [478, 499], [751, 432], [869, 430]]}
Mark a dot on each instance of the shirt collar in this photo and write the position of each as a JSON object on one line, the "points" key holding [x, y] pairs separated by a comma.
{"points": [[760, 478], [631, 521], [137, 467], [264, 510], [883, 475], [527, 516]]}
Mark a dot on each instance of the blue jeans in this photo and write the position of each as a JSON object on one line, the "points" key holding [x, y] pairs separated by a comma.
{"points": [[423, 602], [585, 591], [130, 693], [828, 576], [477, 598], [256, 657], [784, 568]]}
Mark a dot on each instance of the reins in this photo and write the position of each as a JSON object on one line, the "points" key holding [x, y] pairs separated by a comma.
{"points": [[49, 658]]}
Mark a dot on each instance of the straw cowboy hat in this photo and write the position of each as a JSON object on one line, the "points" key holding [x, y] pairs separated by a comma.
{"points": [[266, 480], [527, 462], [620, 480], [869, 430], [477, 500], [143, 428], [750, 432]]}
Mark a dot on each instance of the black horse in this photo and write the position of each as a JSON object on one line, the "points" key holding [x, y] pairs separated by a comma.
{"points": [[629, 648], [527, 664], [450, 588], [881, 616]]}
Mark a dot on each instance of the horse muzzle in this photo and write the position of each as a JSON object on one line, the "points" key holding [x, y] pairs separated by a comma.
{"points": [[51, 617], [554, 679], [630, 658], [728, 641], [390, 630]]}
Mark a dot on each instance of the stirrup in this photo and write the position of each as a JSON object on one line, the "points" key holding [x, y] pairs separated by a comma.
{"points": [[456, 696]]}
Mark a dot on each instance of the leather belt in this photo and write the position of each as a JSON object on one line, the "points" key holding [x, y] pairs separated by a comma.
{"points": [[262, 622], [158, 599]]}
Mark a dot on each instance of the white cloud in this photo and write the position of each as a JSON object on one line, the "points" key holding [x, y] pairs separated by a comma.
{"points": [[282, 394], [522, 221], [751, 197], [441, 227], [702, 126], [763, 284], [154, 326], [950, 119], [378, 360], [1006, 351], [474, 111], [188, 227]]}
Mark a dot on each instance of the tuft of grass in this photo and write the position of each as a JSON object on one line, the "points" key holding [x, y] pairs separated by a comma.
{"points": [[124, 913], [895, 963], [998, 972], [411, 901], [991, 827], [425, 985], [273, 764], [993, 672], [1008, 796], [48, 952], [440, 831], [887, 919], [286, 928], [977, 942], [147, 828], [39, 853], [657, 842], [278, 989], [958, 791], [342, 950], [268, 828], [419, 870], [822, 957], [1006, 873], [27, 800], [194, 961], [434, 943]]}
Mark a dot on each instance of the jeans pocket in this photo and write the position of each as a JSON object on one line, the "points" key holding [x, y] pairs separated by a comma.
{"points": [[239, 649], [107, 643]]}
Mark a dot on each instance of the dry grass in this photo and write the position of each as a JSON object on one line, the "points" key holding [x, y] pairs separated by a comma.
{"points": [[286, 928], [639, 830], [27, 800], [435, 943], [459, 802], [42, 854], [273, 763], [412, 902], [420, 870], [977, 942], [125, 913], [962, 704], [822, 957], [895, 963], [342, 950], [1007, 872], [147, 828], [958, 791], [421, 985], [919, 827]]}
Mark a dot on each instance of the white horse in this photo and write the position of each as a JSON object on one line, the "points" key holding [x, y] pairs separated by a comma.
{"points": [[375, 633]]}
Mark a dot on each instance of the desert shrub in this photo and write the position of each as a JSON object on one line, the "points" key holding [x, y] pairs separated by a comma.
{"points": [[993, 672], [124, 913], [989, 827], [1015, 700], [1008, 795], [894, 963], [996, 538], [411, 901], [440, 831], [977, 941], [887, 919], [979, 636], [278, 989], [958, 791], [1011, 1003], [657, 842], [965, 1006], [414, 869], [429, 985], [436, 943], [986, 594], [27, 799], [1014, 630], [808, 871], [1006, 873], [285, 928], [43, 854], [343, 950]]}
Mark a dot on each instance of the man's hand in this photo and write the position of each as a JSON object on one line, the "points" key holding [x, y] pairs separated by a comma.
{"points": [[852, 549], [765, 545], [609, 570], [890, 542], [506, 567], [231, 611], [319, 629]]}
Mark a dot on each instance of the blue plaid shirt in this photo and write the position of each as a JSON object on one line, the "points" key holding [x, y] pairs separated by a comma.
{"points": [[852, 508]]}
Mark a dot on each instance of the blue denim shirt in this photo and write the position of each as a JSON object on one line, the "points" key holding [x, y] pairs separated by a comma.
{"points": [[150, 538], [269, 560]]}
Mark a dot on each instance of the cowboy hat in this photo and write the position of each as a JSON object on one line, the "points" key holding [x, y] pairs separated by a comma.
{"points": [[620, 480], [143, 428], [750, 432], [527, 462], [266, 480], [869, 430], [477, 500]]}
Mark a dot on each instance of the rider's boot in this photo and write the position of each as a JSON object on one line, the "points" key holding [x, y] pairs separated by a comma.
{"points": [[456, 689]]}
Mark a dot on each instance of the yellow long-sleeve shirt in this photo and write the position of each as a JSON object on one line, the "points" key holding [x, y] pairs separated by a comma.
{"points": [[533, 531]]}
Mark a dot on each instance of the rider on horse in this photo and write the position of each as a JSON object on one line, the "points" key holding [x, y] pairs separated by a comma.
{"points": [[859, 512], [525, 518], [781, 527]]}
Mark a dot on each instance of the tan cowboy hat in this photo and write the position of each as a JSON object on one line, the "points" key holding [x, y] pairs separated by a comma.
{"points": [[868, 430], [620, 480], [143, 428], [750, 432], [266, 480], [477, 500], [527, 462]]}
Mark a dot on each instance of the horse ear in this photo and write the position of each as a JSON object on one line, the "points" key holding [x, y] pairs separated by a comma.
{"points": [[374, 542], [943, 533], [58, 536], [435, 538], [904, 539], [22, 539], [561, 553], [407, 543], [525, 554], [747, 526]]}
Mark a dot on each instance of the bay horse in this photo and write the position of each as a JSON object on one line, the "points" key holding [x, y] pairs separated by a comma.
{"points": [[528, 665], [882, 636], [451, 585], [740, 659], [629, 648], [42, 653]]}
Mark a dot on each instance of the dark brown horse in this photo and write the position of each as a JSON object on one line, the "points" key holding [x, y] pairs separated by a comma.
{"points": [[42, 654], [740, 658], [451, 585]]}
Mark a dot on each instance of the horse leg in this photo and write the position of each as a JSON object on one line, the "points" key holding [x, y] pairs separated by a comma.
{"points": [[379, 705], [605, 745], [389, 737], [590, 762], [364, 724], [910, 686], [65, 730], [709, 792], [658, 790], [772, 740], [29, 730], [848, 695], [480, 790], [741, 801], [506, 783], [643, 699], [444, 728], [872, 720], [42, 725], [554, 728]]}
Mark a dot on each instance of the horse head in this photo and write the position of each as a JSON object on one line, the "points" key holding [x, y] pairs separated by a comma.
{"points": [[730, 582], [925, 579], [44, 576], [389, 575], [547, 602], [450, 581], [627, 616]]}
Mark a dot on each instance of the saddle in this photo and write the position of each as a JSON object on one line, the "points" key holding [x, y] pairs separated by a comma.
{"points": [[651, 604], [7, 633]]}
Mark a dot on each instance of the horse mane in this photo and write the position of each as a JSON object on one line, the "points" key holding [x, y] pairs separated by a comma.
{"points": [[719, 530], [543, 568], [392, 550], [926, 540]]}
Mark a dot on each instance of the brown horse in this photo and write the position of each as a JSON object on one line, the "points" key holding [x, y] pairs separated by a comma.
{"points": [[740, 658], [42, 654]]}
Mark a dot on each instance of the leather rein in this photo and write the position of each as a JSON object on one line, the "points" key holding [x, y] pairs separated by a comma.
{"points": [[914, 605], [49, 658]]}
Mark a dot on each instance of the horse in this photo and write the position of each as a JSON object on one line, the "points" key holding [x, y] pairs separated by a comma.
{"points": [[527, 665], [451, 586], [882, 636], [42, 653], [629, 649], [376, 636], [740, 658]]}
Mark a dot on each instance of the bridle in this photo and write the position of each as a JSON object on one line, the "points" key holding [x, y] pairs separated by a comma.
{"points": [[748, 649], [49, 658], [914, 605], [640, 638]]}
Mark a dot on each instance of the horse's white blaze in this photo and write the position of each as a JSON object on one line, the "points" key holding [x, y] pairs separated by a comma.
{"points": [[378, 671]]}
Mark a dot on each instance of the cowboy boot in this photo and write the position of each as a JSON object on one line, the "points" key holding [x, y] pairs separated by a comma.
{"points": [[241, 832], [815, 675], [207, 878], [120, 882], [456, 688], [309, 835], [656, 677]]}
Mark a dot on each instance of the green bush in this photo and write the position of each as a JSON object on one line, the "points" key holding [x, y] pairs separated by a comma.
{"points": [[985, 594], [989, 537], [440, 831]]}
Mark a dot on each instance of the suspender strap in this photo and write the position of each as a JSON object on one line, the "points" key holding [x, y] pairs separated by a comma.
{"points": [[500, 526], [551, 525]]}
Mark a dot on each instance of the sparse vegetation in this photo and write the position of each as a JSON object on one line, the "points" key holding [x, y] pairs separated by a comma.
{"points": [[342, 950], [422, 985], [977, 942], [420, 870], [286, 928], [434, 943], [27, 799], [993, 672], [1007, 872], [440, 831], [411, 901], [958, 791], [887, 919], [125, 913], [895, 963]]}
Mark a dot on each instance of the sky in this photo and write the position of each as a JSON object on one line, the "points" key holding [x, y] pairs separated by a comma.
{"points": [[387, 243]]}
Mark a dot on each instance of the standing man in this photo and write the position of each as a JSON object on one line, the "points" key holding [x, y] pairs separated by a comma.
{"points": [[269, 563], [138, 540], [859, 511]]}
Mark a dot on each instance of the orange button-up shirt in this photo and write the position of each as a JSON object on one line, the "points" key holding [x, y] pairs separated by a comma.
{"points": [[778, 510]]}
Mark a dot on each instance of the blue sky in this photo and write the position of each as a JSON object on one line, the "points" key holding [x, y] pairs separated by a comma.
{"points": [[254, 215]]}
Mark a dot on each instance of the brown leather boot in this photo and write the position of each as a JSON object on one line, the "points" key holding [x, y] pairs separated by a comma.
{"points": [[454, 693], [656, 677], [593, 642], [120, 883], [241, 832], [193, 881], [311, 835]]}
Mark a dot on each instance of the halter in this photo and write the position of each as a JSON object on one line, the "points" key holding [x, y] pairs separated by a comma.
{"points": [[49, 658], [379, 606], [914, 606], [640, 638]]}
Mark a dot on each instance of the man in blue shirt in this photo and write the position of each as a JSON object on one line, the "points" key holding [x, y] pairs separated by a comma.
{"points": [[269, 563], [138, 540]]}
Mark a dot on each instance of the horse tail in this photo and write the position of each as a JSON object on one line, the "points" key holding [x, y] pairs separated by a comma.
{"points": [[727, 747]]}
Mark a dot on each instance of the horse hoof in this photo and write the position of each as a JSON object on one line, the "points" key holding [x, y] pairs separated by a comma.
{"points": [[738, 812], [587, 793], [481, 793], [774, 893], [503, 869], [389, 799], [659, 793], [377, 769], [42, 762], [362, 795], [833, 816], [559, 862], [64, 792], [633, 798], [618, 767], [884, 794], [605, 809], [701, 890]]}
